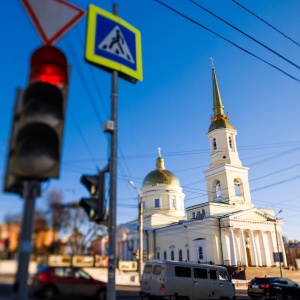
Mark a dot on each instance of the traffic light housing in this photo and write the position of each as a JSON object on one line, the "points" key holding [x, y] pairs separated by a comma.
{"points": [[38, 121], [136, 254], [95, 205]]}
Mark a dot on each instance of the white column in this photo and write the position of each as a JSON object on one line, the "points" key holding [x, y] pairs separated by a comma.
{"points": [[232, 248], [253, 248], [282, 248], [263, 248], [243, 250]]}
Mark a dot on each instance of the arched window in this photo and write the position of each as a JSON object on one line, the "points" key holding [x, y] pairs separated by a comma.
{"points": [[230, 142], [165, 254], [237, 188], [218, 189], [157, 255], [214, 144], [180, 255], [172, 255]]}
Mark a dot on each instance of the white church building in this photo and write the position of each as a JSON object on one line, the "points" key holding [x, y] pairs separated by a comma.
{"points": [[226, 230]]}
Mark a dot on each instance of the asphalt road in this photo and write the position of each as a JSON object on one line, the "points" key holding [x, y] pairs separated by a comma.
{"points": [[123, 292]]}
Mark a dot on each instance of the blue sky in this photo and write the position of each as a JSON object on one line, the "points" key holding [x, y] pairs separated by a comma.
{"points": [[171, 107]]}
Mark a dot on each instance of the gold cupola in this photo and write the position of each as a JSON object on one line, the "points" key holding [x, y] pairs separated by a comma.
{"points": [[160, 175]]}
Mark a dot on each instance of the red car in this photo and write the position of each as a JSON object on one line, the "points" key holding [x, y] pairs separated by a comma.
{"points": [[50, 282]]}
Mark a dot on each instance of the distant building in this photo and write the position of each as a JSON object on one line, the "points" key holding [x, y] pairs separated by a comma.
{"points": [[292, 250], [225, 230], [9, 240]]}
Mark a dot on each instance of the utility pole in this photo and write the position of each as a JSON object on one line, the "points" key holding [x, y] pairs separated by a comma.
{"points": [[279, 254], [141, 229], [111, 282], [31, 192], [275, 225]]}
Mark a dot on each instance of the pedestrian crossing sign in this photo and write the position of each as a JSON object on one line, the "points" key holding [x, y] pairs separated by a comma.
{"points": [[113, 44]]}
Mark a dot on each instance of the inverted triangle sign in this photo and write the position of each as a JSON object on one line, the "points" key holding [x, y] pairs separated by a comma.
{"points": [[52, 18]]}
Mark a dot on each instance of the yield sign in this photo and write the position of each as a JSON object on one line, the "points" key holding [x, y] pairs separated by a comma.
{"points": [[52, 18]]}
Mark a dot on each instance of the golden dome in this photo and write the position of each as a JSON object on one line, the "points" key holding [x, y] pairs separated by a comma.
{"points": [[161, 175], [222, 122]]}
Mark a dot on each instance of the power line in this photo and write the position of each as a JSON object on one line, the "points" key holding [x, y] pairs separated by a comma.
{"points": [[232, 43], [247, 35], [266, 22]]}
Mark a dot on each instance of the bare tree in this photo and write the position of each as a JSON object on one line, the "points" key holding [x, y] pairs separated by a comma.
{"points": [[59, 217]]}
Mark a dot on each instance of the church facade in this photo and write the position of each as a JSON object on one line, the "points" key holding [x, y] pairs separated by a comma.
{"points": [[226, 230]]}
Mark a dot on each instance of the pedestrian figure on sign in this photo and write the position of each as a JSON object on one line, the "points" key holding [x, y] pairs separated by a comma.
{"points": [[117, 39]]}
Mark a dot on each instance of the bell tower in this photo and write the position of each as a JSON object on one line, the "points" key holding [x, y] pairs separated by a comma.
{"points": [[226, 179]]}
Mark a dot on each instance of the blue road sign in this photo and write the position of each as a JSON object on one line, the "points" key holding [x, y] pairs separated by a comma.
{"points": [[113, 43]]}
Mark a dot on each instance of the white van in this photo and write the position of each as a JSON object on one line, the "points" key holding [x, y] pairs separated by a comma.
{"points": [[185, 280]]}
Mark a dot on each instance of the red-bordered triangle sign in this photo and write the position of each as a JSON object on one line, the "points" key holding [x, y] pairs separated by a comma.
{"points": [[52, 18]]}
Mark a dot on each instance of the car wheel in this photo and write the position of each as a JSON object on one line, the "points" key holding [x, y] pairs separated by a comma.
{"points": [[101, 295], [279, 296], [49, 292]]}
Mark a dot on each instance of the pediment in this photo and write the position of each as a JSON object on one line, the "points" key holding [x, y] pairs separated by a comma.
{"points": [[254, 214]]}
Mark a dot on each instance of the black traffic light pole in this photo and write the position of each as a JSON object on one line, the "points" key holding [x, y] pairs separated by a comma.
{"points": [[31, 190]]}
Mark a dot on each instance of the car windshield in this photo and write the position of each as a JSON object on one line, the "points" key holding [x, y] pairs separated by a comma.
{"points": [[81, 274]]}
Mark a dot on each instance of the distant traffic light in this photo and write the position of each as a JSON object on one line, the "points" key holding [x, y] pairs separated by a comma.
{"points": [[38, 122], [136, 254], [95, 205]]}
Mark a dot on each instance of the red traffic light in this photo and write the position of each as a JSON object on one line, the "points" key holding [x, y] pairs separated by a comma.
{"points": [[38, 122], [49, 64]]}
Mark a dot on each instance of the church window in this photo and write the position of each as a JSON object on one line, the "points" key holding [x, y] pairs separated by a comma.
{"points": [[218, 189], [173, 203], [237, 188], [214, 144], [172, 255], [165, 254], [156, 203], [230, 142], [193, 215], [188, 254], [157, 255], [180, 255], [203, 211], [200, 253]]}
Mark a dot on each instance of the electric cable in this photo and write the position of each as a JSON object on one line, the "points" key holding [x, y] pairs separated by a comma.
{"points": [[245, 34], [232, 43], [249, 11]]}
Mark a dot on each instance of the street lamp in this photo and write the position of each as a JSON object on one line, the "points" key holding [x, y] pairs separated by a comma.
{"points": [[275, 225], [141, 252]]}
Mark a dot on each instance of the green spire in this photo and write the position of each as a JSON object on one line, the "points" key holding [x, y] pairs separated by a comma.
{"points": [[218, 107], [219, 119]]}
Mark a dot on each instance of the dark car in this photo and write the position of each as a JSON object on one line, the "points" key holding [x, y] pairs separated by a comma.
{"points": [[273, 288], [50, 282]]}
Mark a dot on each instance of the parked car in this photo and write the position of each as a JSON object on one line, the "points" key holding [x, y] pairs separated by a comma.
{"points": [[273, 288], [50, 282]]}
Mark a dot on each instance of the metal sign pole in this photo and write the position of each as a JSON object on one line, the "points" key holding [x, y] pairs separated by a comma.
{"points": [[111, 284], [31, 191]]}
